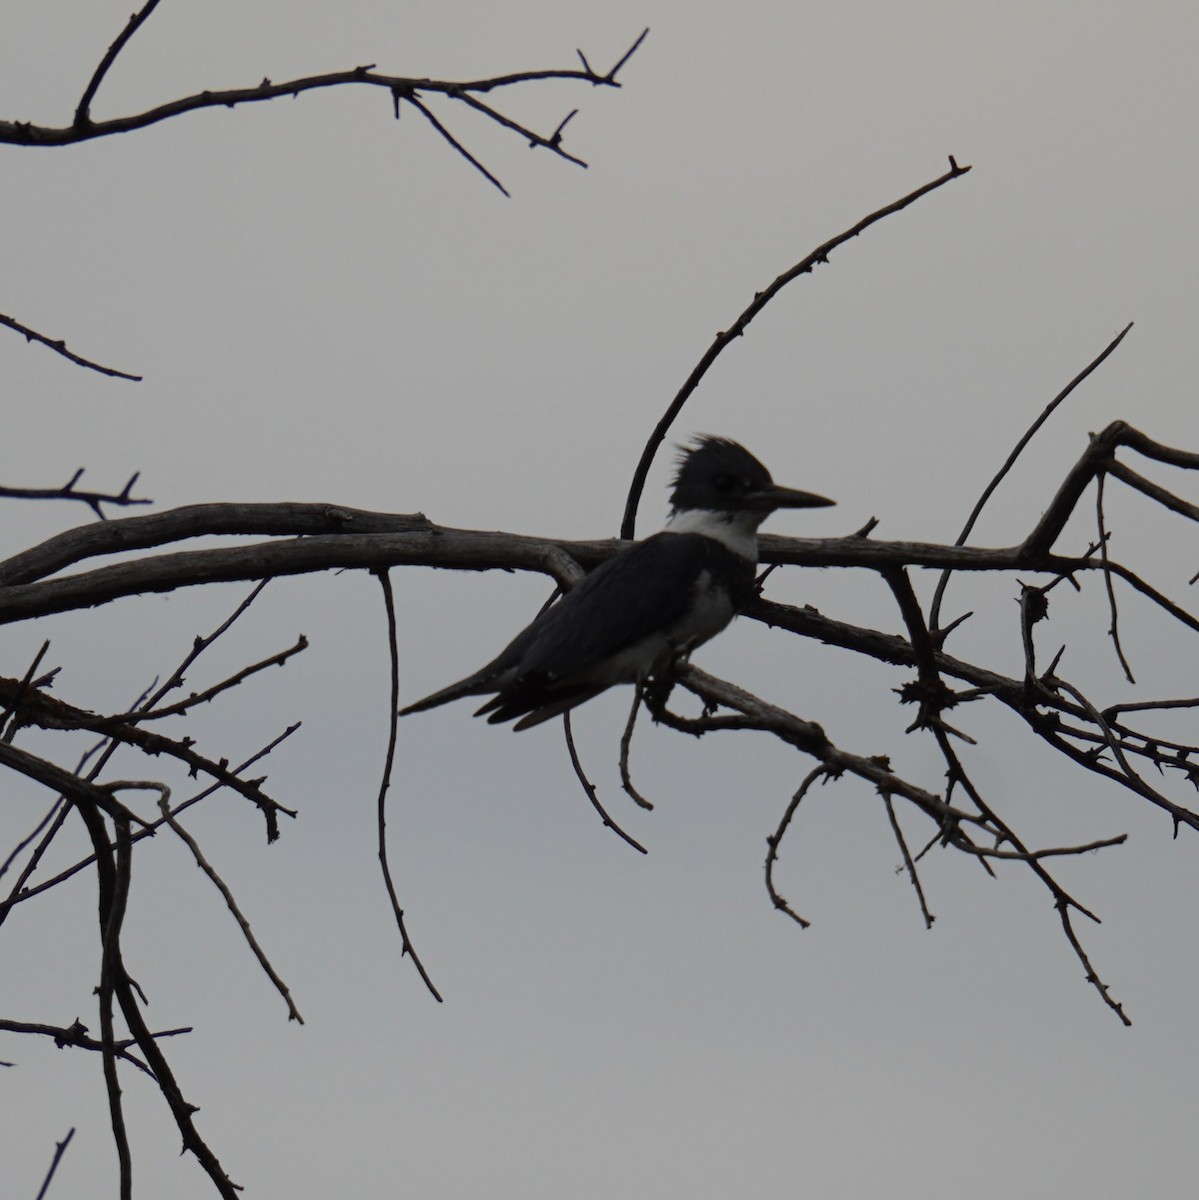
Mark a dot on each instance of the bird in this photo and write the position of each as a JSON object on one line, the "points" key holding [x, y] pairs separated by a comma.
{"points": [[647, 606]]}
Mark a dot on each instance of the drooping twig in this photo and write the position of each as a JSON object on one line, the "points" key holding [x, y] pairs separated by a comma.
{"points": [[1062, 900], [589, 789], [427, 113], [626, 742], [164, 805], [394, 700], [908, 862], [775, 840]]}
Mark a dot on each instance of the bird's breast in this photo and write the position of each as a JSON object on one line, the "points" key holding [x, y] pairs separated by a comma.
{"points": [[710, 610]]}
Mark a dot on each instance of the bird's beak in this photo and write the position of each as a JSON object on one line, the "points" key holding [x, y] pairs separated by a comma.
{"points": [[781, 497]]}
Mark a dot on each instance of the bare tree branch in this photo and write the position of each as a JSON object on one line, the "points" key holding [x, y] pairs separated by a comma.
{"points": [[94, 500], [75, 1036], [58, 345], [407, 87]]}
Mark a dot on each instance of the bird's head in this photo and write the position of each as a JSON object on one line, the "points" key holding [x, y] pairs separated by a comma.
{"points": [[717, 475]]}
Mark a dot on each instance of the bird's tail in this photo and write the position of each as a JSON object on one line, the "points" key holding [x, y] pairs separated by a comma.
{"points": [[472, 685]]}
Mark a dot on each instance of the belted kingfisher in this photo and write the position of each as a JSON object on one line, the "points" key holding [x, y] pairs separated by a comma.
{"points": [[646, 606]]}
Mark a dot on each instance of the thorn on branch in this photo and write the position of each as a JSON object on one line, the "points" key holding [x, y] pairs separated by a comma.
{"points": [[72, 1035], [399, 93], [1034, 602], [939, 635]]}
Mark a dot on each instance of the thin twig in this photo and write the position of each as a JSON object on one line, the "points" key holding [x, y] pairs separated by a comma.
{"points": [[196, 698], [164, 805], [83, 110], [394, 655], [75, 1037], [553, 142], [1052, 852], [60, 347], [626, 742], [1063, 912], [1113, 608], [774, 840], [60, 1149], [429, 116], [94, 500], [199, 645], [589, 788], [908, 862], [18, 896], [13, 706]]}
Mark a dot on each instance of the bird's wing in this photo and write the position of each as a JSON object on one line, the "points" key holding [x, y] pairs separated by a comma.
{"points": [[640, 586], [630, 596]]}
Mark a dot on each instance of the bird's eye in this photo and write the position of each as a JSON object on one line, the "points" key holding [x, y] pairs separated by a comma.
{"points": [[725, 483]]}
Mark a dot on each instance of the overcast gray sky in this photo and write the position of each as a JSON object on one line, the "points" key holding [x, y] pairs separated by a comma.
{"points": [[328, 305]]}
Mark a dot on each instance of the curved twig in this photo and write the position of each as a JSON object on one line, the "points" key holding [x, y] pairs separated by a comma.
{"points": [[589, 789], [775, 840], [935, 610], [804, 267]]}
